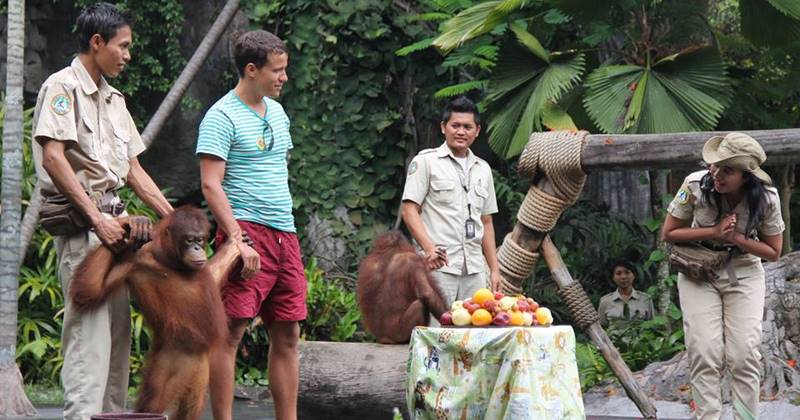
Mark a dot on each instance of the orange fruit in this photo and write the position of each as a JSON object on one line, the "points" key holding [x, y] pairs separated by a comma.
{"points": [[481, 317], [516, 318], [482, 295]]}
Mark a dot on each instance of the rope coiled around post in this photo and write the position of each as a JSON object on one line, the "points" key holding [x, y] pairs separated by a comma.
{"points": [[557, 154], [579, 304], [516, 263]]}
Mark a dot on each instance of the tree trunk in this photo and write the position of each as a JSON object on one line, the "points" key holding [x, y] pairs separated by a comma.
{"points": [[785, 185], [14, 401], [658, 189], [351, 380], [178, 89]]}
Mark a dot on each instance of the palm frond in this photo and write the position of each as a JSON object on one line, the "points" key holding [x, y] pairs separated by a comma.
{"points": [[468, 24], [529, 41], [684, 92], [460, 88], [521, 89], [417, 46], [789, 8], [769, 22]]}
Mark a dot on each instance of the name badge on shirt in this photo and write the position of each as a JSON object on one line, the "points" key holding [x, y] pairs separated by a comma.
{"points": [[469, 228]]}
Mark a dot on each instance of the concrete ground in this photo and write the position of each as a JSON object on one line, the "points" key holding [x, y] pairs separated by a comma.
{"points": [[601, 406], [242, 410]]}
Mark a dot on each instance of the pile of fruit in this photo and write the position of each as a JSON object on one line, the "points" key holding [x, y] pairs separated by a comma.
{"points": [[487, 308]]}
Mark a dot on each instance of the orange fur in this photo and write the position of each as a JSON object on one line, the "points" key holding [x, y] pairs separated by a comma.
{"points": [[183, 308], [395, 291]]}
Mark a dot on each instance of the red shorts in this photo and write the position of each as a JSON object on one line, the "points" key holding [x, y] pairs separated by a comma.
{"points": [[278, 291]]}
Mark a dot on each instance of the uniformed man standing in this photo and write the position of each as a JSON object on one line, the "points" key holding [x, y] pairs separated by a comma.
{"points": [[625, 303], [85, 150], [448, 204]]}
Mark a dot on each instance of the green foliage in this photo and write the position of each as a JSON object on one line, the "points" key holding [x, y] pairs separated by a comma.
{"points": [[687, 91], [656, 76], [346, 97], [156, 54], [333, 313], [758, 16], [639, 344]]}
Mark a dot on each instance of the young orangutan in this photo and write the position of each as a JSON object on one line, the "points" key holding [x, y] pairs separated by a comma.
{"points": [[177, 290], [395, 292]]}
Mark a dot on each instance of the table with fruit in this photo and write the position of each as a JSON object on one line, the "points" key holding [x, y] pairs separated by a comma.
{"points": [[504, 361]]}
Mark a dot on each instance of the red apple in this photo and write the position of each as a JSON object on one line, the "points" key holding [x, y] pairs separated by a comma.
{"points": [[446, 318], [522, 306], [501, 319], [471, 307], [498, 295], [490, 305]]}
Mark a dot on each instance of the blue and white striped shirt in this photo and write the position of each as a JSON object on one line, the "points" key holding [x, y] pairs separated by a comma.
{"points": [[255, 149]]}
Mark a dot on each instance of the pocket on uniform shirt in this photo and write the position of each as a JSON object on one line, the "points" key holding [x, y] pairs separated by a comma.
{"points": [[121, 138], [443, 191], [480, 198], [87, 140]]}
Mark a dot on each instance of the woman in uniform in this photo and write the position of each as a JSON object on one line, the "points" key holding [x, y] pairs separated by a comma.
{"points": [[731, 205]]}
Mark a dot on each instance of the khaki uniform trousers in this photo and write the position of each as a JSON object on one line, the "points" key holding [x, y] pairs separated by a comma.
{"points": [[457, 287], [95, 344], [722, 324]]}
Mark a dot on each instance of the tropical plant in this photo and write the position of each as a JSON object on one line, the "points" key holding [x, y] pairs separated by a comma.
{"points": [[650, 74], [14, 401]]}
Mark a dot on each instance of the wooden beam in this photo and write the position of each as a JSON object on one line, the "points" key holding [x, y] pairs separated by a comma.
{"points": [[677, 150]]}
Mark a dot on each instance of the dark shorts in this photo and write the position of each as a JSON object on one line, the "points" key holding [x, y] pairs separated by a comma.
{"points": [[278, 291]]}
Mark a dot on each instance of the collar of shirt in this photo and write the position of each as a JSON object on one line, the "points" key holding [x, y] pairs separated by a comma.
{"points": [[617, 296], [88, 85], [444, 151]]}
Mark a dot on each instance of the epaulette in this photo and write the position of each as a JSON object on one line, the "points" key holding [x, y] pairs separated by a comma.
{"points": [[426, 151]]}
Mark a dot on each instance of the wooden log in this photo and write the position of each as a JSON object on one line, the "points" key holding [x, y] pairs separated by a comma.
{"points": [[351, 380], [677, 150]]}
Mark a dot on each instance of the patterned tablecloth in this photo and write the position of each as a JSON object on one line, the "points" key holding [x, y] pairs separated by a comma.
{"points": [[493, 373]]}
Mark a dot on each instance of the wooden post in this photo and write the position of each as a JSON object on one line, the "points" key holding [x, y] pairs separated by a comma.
{"points": [[533, 240], [595, 331]]}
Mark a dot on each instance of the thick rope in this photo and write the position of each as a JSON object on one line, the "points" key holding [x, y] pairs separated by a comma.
{"points": [[579, 304], [557, 154], [516, 263]]}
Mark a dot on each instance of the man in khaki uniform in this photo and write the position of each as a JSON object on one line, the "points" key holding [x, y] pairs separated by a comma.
{"points": [[85, 150], [626, 303], [448, 204], [732, 204]]}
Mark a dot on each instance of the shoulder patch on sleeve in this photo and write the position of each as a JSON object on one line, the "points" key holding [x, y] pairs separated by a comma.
{"points": [[61, 104], [683, 195], [412, 168]]}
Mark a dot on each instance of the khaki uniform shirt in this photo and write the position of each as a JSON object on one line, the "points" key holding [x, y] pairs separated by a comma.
{"points": [[689, 205], [447, 198], [100, 135], [612, 307]]}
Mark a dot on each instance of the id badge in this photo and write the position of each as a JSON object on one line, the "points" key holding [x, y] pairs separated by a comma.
{"points": [[469, 228]]}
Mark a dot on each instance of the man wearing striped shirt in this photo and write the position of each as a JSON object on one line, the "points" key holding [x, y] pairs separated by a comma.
{"points": [[243, 145]]}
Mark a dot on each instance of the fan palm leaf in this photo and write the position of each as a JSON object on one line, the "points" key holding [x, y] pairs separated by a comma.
{"points": [[474, 22], [523, 91], [687, 91], [770, 22]]}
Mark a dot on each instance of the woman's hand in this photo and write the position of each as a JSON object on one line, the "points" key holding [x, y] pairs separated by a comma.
{"points": [[725, 230]]}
